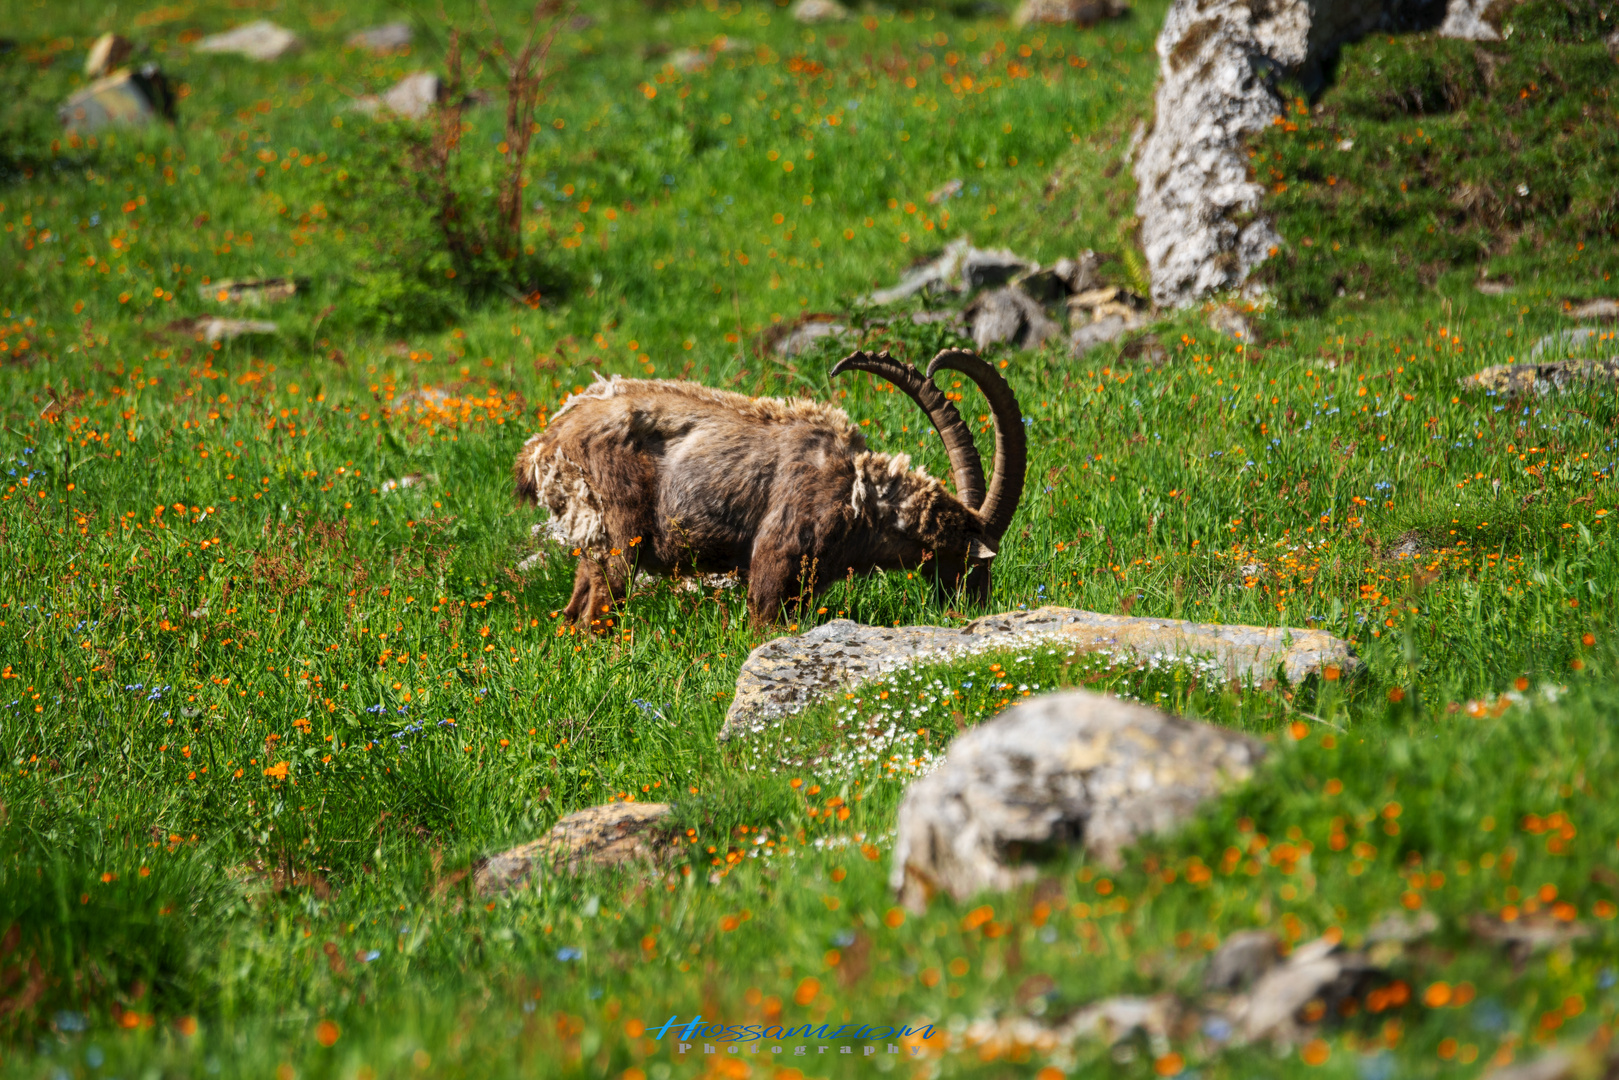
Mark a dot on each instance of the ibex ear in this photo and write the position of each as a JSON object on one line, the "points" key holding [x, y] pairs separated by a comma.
{"points": [[979, 550]]}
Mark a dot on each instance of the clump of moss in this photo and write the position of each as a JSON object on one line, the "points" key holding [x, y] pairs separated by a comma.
{"points": [[1427, 159]]}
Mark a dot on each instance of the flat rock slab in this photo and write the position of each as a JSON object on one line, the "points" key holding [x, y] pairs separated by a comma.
{"points": [[1543, 378], [599, 836], [1068, 769], [782, 676]]}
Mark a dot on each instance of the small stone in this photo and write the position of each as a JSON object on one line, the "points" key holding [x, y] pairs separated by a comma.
{"points": [[1070, 768], [600, 836], [386, 38], [1241, 959], [213, 328], [1554, 1065], [106, 53], [799, 337], [1147, 349], [412, 97], [947, 190], [1404, 929], [1495, 287], [260, 40], [406, 482], [1100, 332], [781, 676], [1009, 316], [1612, 42], [1081, 13], [1529, 933], [689, 60], [122, 99], [819, 11], [1316, 970], [1233, 323], [1408, 546], [1083, 274], [1115, 1019], [253, 292], [1603, 308]]}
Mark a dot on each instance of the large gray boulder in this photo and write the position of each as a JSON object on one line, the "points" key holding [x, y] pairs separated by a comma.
{"points": [[1201, 222], [1073, 768]]}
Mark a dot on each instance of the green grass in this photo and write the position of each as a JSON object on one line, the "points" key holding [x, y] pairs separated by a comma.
{"points": [[207, 574], [1431, 160]]}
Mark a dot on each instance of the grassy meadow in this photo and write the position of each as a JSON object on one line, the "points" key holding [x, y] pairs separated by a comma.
{"points": [[263, 703]]}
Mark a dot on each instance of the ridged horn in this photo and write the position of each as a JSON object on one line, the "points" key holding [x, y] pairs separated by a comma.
{"points": [[958, 439], [1011, 442]]}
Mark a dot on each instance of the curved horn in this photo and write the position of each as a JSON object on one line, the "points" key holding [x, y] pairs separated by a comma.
{"points": [[1011, 442], [958, 439]]}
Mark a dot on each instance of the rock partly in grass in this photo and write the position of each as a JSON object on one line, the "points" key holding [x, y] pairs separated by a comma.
{"points": [[388, 37], [1069, 769], [252, 292], [1101, 315], [959, 268], [212, 328], [122, 99], [1528, 933], [819, 11], [781, 677], [1081, 13], [1603, 308], [260, 40], [1320, 970], [799, 337], [1233, 322], [600, 836], [1574, 342], [1543, 378], [1009, 316], [412, 97], [106, 53], [1241, 959]]}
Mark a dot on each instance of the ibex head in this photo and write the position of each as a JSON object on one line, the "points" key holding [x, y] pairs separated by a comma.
{"points": [[990, 512]]}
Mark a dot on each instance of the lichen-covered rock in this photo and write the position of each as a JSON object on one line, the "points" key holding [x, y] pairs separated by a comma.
{"points": [[1071, 768], [599, 836], [1542, 378], [781, 676]]}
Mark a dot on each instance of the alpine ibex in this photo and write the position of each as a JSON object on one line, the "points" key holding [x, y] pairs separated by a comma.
{"points": [[671, 476]]}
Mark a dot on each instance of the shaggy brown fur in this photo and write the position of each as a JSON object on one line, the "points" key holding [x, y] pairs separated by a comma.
{"points": [[674, 477]]}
